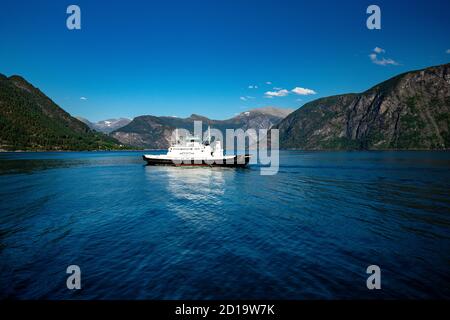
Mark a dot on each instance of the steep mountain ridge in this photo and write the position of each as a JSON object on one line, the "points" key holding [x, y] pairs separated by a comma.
{"points": [[409, 111], [29, 120]]}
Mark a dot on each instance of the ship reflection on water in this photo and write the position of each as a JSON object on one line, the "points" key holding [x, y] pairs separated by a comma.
{"points": [[191, 188]]}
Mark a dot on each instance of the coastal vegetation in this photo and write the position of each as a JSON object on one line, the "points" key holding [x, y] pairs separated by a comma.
{"points": [[31, 121]]}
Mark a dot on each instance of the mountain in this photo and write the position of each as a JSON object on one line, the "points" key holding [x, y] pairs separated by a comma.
{"points": [[261, 118], [29, 120], [106, 126], [409, 111], [155, 132], [86, 122]]}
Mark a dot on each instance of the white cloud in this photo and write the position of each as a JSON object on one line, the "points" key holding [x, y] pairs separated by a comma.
{"points": [[83, 98], [303, 91], [243, 98], [253, 87], [276, 88], [279, 93], [448, 51], [381, 61], [246, 98], [268, 82]]}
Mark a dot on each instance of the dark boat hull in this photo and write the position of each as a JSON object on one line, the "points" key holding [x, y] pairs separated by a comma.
{"points": [[237, 161]]}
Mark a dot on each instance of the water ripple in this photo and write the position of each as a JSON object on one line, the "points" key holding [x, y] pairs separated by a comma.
{"points": [[142, 232]]}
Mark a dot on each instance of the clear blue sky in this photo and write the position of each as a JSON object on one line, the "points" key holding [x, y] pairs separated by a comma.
{"points": [[181, 57]]}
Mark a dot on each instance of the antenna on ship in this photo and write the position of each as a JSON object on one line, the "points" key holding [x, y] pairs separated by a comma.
{"points": [[209, 134]]}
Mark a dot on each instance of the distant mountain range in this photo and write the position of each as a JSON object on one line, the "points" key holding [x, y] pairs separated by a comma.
{"points": [[409, 111], [155, 132], [106, 126], [29, 120]]}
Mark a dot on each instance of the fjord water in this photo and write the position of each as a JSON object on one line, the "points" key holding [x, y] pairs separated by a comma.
{"points": [[140, 232]]}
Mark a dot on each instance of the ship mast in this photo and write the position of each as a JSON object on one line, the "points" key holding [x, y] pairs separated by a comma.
{"points": [[209, 134]]}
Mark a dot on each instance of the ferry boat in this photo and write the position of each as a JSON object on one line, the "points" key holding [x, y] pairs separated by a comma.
{"points": [[191, 151]]}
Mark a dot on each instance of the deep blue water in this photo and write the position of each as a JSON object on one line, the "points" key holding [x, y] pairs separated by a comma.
{"points": [[141, 232]]}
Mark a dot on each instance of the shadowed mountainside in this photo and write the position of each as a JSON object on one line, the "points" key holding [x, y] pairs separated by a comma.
{"points": [[409, 111], [29, 120]]}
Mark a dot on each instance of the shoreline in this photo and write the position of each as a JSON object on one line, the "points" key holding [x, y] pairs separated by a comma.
{"points": [[60, 151], [287, 149]]}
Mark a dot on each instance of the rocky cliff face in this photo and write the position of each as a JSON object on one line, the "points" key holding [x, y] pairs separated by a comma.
{"points": [[155, 132], [409, 111]]}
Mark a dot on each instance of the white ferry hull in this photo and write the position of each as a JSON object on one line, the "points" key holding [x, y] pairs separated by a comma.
{"points": [[233, 161]]}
